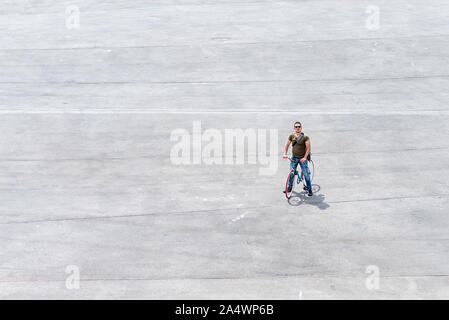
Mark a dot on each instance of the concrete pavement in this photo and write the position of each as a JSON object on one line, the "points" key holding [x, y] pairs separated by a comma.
{"points": [[87, 180]]}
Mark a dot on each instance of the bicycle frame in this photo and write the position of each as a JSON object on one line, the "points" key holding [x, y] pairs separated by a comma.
{"points": [[296, 169]]}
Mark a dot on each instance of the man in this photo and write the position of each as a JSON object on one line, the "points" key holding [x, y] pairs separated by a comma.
{"points": [[300, 151]]}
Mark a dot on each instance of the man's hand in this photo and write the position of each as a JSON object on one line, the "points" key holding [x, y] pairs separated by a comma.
{"points": [[302, 159], [285, 156]]}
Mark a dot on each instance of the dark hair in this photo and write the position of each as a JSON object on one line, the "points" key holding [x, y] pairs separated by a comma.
{"points": [[297, 122]]}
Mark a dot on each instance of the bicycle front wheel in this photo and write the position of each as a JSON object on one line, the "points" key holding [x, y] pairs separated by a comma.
{"points": [[291, 176]]}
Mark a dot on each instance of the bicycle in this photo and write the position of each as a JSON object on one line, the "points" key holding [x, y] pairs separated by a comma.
{"points": [[294, 172]]}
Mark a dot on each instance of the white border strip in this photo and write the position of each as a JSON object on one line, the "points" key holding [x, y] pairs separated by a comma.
{"points": [[179, 111]]}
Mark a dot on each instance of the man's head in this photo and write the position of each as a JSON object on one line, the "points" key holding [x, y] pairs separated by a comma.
{"points": [[298, 127]]}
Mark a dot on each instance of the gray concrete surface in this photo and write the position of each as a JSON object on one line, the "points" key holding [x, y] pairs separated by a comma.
{"points": [[86, 177]]}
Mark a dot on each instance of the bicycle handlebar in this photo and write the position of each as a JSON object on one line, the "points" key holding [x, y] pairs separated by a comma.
{"points": [[299, 160]]}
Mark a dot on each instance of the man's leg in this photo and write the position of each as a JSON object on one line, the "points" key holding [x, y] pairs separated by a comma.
{"points": [[305, 170], [292, 166]]}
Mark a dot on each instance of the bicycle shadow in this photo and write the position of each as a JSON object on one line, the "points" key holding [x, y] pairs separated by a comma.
{"points": [[299, 197]]}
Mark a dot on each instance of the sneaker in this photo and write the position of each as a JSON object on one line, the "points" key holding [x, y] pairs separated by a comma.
{"points": [[310, 193], [305, 188], [289, 189]]}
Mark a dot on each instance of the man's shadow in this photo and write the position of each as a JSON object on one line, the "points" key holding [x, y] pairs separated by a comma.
{"points": [[300, 196]]}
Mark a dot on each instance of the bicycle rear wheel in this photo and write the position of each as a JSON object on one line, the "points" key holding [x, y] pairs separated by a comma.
{"points": [[311, 166], [289, 194]]}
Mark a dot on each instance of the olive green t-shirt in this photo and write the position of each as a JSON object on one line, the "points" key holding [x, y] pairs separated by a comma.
{"points": [[299, 149]]}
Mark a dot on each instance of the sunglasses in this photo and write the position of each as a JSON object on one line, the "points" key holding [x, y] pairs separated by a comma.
{"points": [[297, 126]]}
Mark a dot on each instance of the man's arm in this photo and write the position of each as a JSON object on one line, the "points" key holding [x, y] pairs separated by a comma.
{"points": [[307, 151], [287, 145]]}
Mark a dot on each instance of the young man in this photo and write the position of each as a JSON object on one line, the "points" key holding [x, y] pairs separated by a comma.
{"points": [[300, 151]]}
